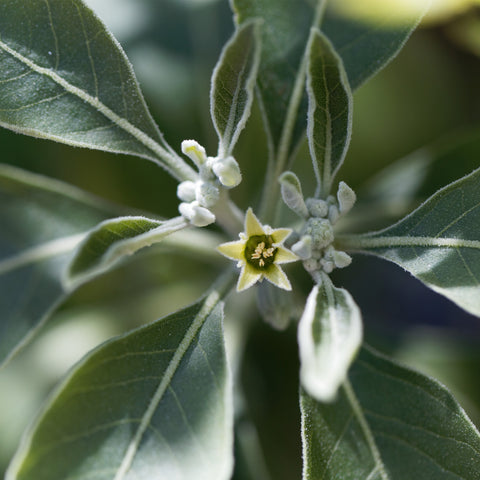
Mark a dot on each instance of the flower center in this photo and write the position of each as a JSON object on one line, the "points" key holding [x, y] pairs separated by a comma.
{"points": [[259, 251]]}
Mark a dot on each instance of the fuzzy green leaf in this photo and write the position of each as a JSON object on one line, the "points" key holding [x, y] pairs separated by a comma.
{"points": [[42, 222], [364, 48], [330, 106], [388, 423], [114, 239], [329, 336], [439, 242], [65, 78], [154, 403], [233, 85]]}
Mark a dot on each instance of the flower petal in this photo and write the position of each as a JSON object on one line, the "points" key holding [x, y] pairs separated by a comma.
{"points": [[277, 276], [248, 277], [233, 250], [284, 255], [280, 234], [253, 225]]}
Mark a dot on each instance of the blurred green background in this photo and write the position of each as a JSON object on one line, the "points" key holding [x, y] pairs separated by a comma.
{"points": [[429, 95]]}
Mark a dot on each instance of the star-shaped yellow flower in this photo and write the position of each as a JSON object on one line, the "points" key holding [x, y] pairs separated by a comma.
{"points": [[259, 253]]}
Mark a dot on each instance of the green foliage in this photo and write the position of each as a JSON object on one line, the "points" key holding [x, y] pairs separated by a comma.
{"points": [[157, 401], [388, 422], [129, 405]]}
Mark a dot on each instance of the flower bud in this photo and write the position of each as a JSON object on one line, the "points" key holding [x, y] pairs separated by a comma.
{"points": [[292, 194], [346, 197], [341, 259], [195, 152], [317, 207], [196, 215], [303, 248], [186, 191], [227, 171]]}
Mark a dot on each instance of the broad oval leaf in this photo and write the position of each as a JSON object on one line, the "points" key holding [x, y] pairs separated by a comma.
{"points": [[154, 403], [233, 83], [388, 423], [329, 336], [439, 242], [330, 104], [42, 222], [65, 78], [115, 238]]}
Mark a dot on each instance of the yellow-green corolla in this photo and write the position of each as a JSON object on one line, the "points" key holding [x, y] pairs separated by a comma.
{"points": [[259, 253]]}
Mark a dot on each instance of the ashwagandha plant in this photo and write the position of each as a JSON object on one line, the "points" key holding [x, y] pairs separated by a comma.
{"points": [[157, 402]]}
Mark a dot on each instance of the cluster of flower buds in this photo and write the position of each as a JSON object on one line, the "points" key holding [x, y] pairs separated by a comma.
{"points": [[200, 196], [315, 246]]}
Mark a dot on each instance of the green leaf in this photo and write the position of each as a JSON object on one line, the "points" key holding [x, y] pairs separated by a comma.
{"points": [[233, 82], [115, 238], [329, 336], [42, 222], [65, 78], [330, 104], [285, 33], [439, 242], [388, 423], [154, 403], [366, 46]]}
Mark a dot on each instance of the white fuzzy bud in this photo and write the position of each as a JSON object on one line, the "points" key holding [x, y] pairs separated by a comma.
{"points": [[227, 171], [341, 259], [321, 232], [303, 248], [196, 215], [292, 194], [207, 194], [186, 191], [346, 197], [317, 207], [333, 214], [195, 152]]}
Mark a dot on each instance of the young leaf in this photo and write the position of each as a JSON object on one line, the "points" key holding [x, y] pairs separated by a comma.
{"points": [[329, 336], [388, 423], [65, 78], [233, 82], [330, 105], [284, 37], [42, 222], [154, 403], [439, 242], [364, 48], [113, 239]]}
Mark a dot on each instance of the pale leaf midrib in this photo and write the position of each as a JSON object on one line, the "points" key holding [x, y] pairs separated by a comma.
{"points": [[207, 308], [363, 242], [40, 252], [167, 161], [357, 411]]}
